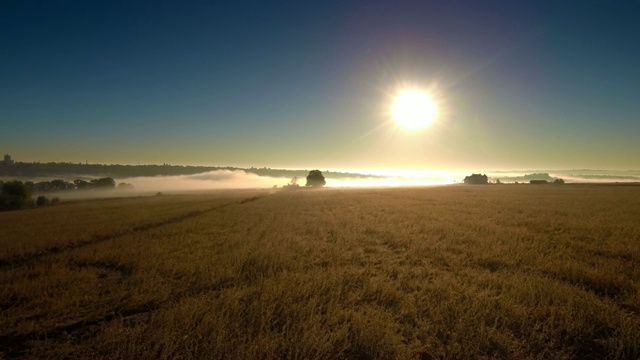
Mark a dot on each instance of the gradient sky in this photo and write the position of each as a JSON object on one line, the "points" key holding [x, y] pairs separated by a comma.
{"points": [[306, 84]]}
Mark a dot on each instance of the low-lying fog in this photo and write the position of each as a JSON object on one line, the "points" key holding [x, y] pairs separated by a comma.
{"points": [[238, 179], [219, 179], [226, 179]]}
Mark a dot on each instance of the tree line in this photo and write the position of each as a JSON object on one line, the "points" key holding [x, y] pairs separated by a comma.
{"points": [[78, 184], [31, 170], [16, 194]]}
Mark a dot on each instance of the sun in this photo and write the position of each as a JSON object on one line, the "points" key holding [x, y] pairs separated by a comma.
{"points": [[413, 109]]}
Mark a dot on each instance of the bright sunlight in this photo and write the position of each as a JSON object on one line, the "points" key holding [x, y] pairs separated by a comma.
{"points": [[413, 109]]}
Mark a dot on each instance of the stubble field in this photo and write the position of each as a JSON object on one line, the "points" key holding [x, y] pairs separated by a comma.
{"points": [[512, 271]]}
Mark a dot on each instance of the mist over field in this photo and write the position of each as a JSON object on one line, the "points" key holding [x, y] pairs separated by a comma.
{"points": [[403, 177], [241, 179], [219, 179], [238, 179], [570, 176]]}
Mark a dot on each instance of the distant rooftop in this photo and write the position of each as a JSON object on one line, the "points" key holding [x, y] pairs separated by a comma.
{"points": [[7, 160]]}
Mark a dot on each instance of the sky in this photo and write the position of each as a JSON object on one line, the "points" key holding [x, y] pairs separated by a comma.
{"points": [[310, 84]]}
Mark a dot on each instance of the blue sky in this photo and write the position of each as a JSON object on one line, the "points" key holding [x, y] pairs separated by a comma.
{"points": [[302, 84]]}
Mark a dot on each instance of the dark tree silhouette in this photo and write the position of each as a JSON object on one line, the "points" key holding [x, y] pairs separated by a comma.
{"points": [[476, 179], [53, 185], [82, 184], [315, 179], [125, 186], [104, 183], [14, 195]]}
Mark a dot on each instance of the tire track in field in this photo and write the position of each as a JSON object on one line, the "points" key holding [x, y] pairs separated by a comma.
{"points": [[30, 258], [16, 345]]}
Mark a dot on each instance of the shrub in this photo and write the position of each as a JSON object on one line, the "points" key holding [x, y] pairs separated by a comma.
{"points": [[125, 186], [14, 195], [42, 201], [292, 185]]}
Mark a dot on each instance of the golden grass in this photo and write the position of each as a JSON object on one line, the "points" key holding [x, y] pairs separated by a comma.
{"points": [[548, 272]]}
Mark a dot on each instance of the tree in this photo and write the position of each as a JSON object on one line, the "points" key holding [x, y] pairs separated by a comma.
{"points": [[14, 195], [104, 183], [315, 179], [82, 184]]}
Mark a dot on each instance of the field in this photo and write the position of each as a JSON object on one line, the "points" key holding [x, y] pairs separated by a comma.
{"points": [[512, 271]]}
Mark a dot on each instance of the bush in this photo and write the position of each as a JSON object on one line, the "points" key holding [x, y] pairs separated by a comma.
{"points": [[42, 201], [292, 185], [14, 195], [125, 186]]}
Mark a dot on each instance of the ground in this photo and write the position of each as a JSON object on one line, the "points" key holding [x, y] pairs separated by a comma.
{"points": [[510, 271]]}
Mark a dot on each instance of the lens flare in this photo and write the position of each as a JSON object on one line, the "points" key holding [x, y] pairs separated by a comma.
{"points": [[413, 109]]}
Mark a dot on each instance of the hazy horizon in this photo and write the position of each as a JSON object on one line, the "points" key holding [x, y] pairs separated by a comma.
{"points": [[240, 179], [359, 170]]}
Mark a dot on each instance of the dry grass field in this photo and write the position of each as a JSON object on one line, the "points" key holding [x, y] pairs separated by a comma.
{"points": [[513, 271]]}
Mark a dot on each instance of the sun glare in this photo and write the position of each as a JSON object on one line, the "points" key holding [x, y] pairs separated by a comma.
{"points": [[413, 109]]}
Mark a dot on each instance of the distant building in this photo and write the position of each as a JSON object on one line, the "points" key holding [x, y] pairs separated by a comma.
{"points": [[7, 160], [476, 179]]}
